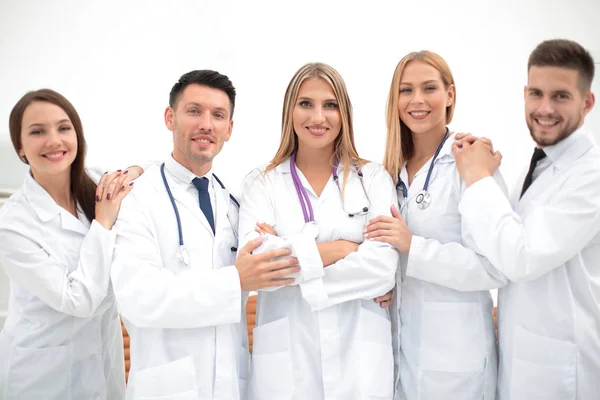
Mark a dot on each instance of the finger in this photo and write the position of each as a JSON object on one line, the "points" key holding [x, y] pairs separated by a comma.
{"points": [[251, 245], [100, 186], [282, 272], [379, 233], [461, 135], [266, 228], [385, 239], [380, 226], [384, 304], [281, 263], [395, 213], [498, 156], [280, 282], [111, 189], [456, 149], [466, 145], [271, 254], [125, 189], [381, 218]]}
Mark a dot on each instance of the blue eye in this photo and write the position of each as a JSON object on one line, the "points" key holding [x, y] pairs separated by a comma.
{"points": [[193, 111], [405, 90], [430, 88], [64, 128], [219, 115]]}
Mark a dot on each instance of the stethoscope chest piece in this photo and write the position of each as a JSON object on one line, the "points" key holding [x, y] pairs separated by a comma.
{"points": [[184, 255], [311, 228], [423, 199]]}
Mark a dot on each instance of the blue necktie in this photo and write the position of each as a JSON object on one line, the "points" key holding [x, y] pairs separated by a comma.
{"points": [[538, 154], [202, 186]]}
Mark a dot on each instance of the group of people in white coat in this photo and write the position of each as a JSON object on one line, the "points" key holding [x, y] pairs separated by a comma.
{"points": [[373, 279]]}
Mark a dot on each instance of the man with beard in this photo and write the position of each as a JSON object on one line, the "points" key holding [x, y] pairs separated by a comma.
{"points": [[546, 239], [175, 275]]}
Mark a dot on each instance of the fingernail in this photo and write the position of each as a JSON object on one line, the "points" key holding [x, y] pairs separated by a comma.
{"points": [[118, 170], [366, 235], [131, 183], [97, 198], [108, 196], [105, 173], [126, 171]]}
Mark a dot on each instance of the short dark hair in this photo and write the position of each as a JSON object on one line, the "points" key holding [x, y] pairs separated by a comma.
{"points": [[565, 54], [204, 77]]}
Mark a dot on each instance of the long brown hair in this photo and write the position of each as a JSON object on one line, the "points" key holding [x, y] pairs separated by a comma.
{"points": [[344, 148], [83, 189], [399, 144]]}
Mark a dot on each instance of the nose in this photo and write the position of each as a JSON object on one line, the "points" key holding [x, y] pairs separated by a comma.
{"points": [[53, 138], [205, 122], [417, 96], [317, 115], [545, 106]]}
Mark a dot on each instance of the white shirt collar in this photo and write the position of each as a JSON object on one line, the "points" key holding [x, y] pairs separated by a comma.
{"points": [[183, 174]]}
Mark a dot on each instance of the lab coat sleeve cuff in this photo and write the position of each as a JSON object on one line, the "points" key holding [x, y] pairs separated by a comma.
{"points": [[414, 257], [315, 295], [473, 200], [232, 289], [306, 251]]}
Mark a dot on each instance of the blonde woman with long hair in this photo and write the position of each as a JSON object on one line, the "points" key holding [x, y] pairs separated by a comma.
{"points": [[442, 310], [321, 337]]}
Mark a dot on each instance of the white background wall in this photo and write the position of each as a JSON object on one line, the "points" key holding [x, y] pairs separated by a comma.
{"points": [[117, 60]]}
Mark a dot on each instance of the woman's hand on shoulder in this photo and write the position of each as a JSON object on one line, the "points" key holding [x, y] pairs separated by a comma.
{"points": [[110, 191]]}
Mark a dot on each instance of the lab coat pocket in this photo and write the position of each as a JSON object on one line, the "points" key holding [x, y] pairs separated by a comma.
{"points": [[41, 373], [453, 351], [271, 367], [376, 356], [175, 380], [543, 367]]}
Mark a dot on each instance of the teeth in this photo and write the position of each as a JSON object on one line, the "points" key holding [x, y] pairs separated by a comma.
{"points": [[317, 130], [546, 122], [54, 155], [202, 140], [419, 114]]}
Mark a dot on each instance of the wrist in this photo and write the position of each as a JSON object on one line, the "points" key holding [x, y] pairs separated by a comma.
{"points": [[475, 176]]}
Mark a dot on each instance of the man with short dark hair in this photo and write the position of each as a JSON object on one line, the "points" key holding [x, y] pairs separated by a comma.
{"points": [[175, 275], [549, 246]]}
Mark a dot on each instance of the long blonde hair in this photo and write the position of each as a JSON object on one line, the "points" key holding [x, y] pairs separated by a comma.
{"points": [[344, 149], [399, 144]]}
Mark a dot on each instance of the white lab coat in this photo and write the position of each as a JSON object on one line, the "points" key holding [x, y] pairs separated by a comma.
{"points": [[62, 338], [186, 323], [323, 337], [443, 322], [549, 247]]}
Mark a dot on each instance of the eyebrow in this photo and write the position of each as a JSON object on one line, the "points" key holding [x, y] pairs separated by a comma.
{"points": [[308, 98], [62, 121], [193, 103], [424, 83]]}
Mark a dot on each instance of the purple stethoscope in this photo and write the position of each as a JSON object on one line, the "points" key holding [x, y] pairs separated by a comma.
{"points": [[310, 226]]}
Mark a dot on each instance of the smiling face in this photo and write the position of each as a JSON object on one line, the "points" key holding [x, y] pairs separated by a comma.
{"points": [[316, 116], [423, 98], [48, 140], [201, 123], [555, 105]]}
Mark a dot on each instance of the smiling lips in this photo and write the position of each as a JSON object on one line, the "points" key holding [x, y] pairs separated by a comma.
{"points": [[316, 130], [546, 122], [203, 140], [419, 114], [55, 155]]}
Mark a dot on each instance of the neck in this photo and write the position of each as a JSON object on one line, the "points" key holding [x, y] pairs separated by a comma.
{"points": [[197, 168], [313, 159], [425, 144], [57, 186]]}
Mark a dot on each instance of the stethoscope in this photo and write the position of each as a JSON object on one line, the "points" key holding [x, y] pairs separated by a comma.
{"points": [[310, 227], [423, 198], [184, 255]]}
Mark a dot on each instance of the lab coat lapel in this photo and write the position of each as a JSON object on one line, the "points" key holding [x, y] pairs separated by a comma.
{"points": [[71, 223], [183, 198], [221, 196]]}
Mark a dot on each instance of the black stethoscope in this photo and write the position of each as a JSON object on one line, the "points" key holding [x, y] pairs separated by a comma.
{"points": [[423, 198], [183, 252]]}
